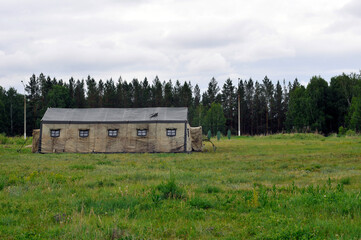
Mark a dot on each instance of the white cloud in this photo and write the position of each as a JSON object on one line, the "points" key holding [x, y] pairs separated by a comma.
{"points": [[187, 40]]}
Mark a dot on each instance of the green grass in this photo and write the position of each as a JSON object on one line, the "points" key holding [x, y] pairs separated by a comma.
{"points": [[292, 186]]}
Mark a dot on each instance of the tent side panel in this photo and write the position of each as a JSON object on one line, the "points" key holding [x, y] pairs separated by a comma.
{"points": [[35, 144], [106, 143], [170, 144], [189, 138], [53, 144], [196, 138], [127, 140]]}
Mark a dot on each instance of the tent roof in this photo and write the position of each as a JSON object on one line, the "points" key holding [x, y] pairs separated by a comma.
{"points": [[159, 114]]}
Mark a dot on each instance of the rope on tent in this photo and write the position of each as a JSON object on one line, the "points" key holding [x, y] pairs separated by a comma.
{"points": [[22, 145], [209, 140]]}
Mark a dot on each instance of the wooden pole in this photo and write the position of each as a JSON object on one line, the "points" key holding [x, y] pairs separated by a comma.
{"points": [[239, 114], [24, 111], [24, 116]]}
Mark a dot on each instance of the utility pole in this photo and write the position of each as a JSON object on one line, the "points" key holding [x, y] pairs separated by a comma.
{"points": [[24, 111], [239, 111], [11, 117]]}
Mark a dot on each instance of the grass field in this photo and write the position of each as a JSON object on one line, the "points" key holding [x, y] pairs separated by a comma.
{"points": [[275, 187]]}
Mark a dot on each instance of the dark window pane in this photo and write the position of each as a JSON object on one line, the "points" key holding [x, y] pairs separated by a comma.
{"points": [[83, 133], [55, 133], [142, 132], [171, 132], [113, 133]]}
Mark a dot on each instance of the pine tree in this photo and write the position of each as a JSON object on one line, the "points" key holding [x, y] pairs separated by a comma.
{"points": [[137, 93], [34, 105], [100, 91], [213, 91], [110, 94], [92, 93], [278, 107], [168, 94], [79, 95], [157, 93], [146, 96], [197, 95], [243, 107], [186, 98], [249, 96], [120, 93], [229, 103], [177, 94], [71, 87], [268, 90]]}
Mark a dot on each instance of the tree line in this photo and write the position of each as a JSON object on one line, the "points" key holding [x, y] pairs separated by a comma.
{"points": [[265, 107]]}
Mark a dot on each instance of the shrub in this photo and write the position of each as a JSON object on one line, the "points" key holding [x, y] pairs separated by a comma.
{"points": [[212, 189], [346, 181], [105, 182], [350, 133], [209, 134], [218, 135], [82, 167], [104, 163], [3, 182], [171, 190], [200, 203], [3, 139], [229, 134], [342, 131]]}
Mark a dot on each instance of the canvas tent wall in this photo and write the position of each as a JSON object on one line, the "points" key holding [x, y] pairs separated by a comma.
{"points": [[126, 122], [35, 145], [196, 138]]}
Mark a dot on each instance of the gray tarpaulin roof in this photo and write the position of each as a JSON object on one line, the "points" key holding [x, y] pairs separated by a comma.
{"points": [[116, 114]]}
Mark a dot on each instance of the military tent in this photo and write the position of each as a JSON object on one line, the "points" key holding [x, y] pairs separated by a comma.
{"points": [[117, 130]]}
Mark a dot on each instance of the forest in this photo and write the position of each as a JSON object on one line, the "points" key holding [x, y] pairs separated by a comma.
{"points": [[266, 108]]}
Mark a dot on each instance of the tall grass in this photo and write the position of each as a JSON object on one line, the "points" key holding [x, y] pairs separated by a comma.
{"points": [[272, 187], [13, 140]]}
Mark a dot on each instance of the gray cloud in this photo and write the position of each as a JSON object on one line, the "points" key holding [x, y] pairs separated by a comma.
{"points": [[186, 40]]}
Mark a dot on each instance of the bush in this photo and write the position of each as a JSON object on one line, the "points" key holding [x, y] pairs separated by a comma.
{"points": [[19, 140], [342, 130], [82, 167], [200, 203], [3, 139], [350, 133], [171, 190], [346, 181], [3, 182], [218, 135], [209, 134], [212, 189], [229, 134]]}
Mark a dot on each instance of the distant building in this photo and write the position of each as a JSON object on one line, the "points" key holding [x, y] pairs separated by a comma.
{"points": [[117, 130]]}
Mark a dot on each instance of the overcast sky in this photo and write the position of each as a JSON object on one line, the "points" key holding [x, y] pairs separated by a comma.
{"points": [[189, 40]]}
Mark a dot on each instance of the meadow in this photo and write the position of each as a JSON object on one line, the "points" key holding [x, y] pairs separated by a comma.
{"points": [[291, 186]]}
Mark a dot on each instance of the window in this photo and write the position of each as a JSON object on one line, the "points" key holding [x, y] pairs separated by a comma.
{"points": [[55, 132], [142, 132], [83, 133], [112, 132], [171, 132]]}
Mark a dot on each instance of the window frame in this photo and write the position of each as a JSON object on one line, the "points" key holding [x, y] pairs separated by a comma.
{"points": [[142, 132], [113, 133], [56, 133], [82, 131], [171, 132]]}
